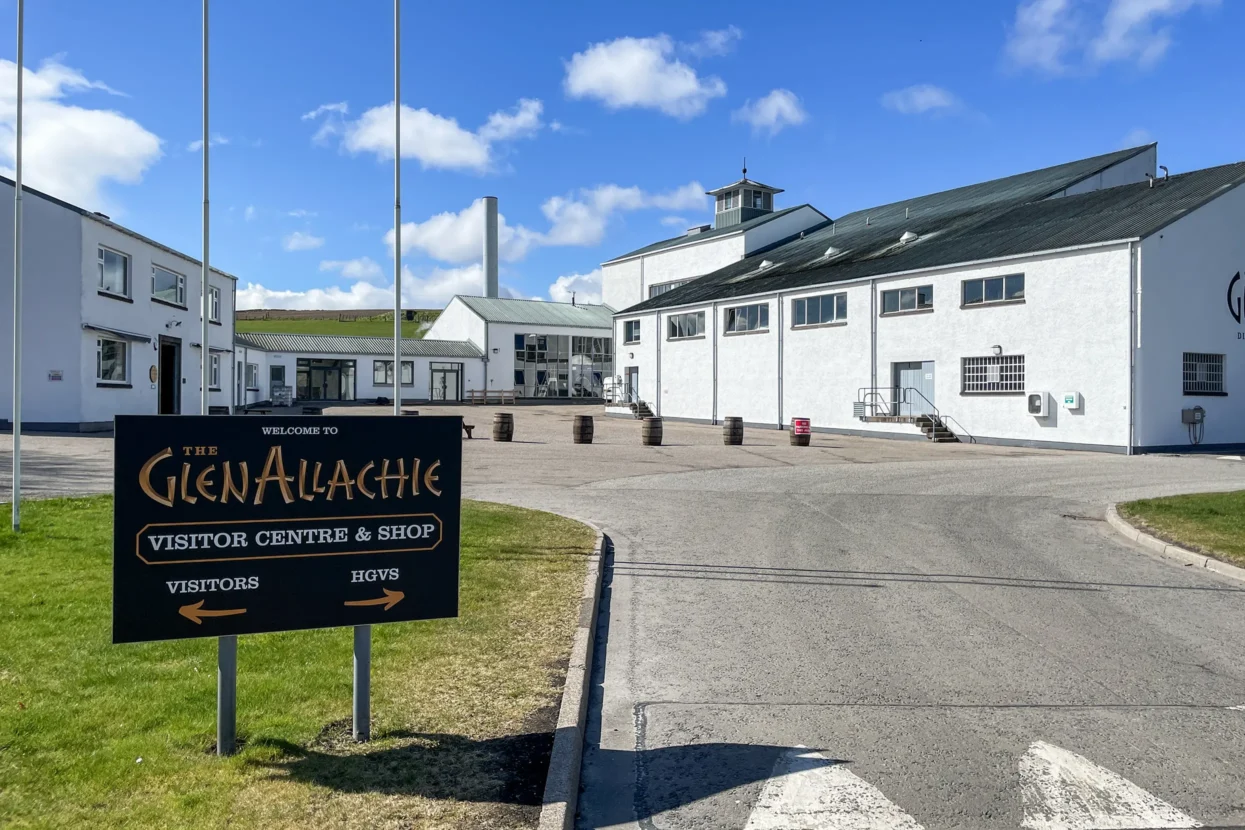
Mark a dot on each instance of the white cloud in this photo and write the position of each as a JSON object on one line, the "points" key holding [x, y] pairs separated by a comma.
{"points": [[197, 145], [640, 72], [301, 213], [363, 268], [299, 241], [920, 98], [436, 141], [432, 290], [771, 114], [582, 219], [585, 287], [70, 151], [248, 214], [340, 108], [459, 237], [1059, 36], [524, 122], [674, 222], [715, 42], [1136, 137], [1130, 30]]}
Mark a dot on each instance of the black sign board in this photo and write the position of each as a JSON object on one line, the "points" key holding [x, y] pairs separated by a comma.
{"points": [[236, 525]]}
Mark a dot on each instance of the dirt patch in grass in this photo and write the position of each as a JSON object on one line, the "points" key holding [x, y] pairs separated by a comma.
{"points": [[1210, 523], [93, 734]]}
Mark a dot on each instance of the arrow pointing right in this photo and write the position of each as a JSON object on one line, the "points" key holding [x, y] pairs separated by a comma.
{"points": [[389, 600]]}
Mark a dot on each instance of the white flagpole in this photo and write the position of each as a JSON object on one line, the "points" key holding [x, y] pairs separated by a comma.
{"points": [[397, 212], [17, 289]]}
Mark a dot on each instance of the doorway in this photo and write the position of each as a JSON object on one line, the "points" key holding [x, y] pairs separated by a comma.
{"points": [[631, 384], [169, 374], [325, 380], [914, 388], [446, 381]]}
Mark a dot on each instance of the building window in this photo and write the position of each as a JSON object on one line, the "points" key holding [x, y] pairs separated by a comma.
{"points": [[214, 371], [769, 202], [252, 376], [168, 286], [382, 373], [631, 331], [276, 374], [214, 304], [816, 311], [747, 318], [908, 299], [1008, 289], [680, 326], [662, 288], [114, 272], [1203, 374], [995, 374], [758, 200], [111, 358]]}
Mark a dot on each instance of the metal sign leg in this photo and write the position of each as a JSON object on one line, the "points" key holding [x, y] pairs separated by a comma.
{"points": [[362, 682], [226, 695]]}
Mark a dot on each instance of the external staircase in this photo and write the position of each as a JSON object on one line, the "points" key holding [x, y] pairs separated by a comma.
{"points": [[904, 405], [641, 410], [935, 430]]}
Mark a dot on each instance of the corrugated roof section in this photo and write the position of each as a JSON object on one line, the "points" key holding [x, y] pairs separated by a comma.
{"points": [[948, 233], [538, 313], [348, 344]]}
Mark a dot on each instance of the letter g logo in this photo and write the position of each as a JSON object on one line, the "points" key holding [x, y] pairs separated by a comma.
{"points": [[1236, 299]]}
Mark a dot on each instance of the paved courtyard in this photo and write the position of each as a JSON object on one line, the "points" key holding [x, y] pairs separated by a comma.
{"points": [[867, 632]]}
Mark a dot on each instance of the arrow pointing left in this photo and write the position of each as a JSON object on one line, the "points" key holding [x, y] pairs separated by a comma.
{"points": [[195, 612]]}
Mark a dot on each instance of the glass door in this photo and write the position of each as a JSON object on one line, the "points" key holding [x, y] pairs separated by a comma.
{"points": [[444, 384]]}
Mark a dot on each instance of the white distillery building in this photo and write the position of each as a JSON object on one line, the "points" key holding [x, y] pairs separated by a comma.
{"points": [[1089, 305], [111, 321]]}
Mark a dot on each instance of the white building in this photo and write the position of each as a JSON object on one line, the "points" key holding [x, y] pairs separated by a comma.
{"points": [[111, 320], [1088, 305], [538, 349]]}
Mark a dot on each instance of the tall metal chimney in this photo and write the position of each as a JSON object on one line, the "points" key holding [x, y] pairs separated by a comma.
{"points": [[490, 246]]}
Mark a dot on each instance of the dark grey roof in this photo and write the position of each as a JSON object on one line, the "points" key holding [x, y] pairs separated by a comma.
{"points": [[744, 182], [350, 344], [539, 312], [697, 237], [951, 231]]}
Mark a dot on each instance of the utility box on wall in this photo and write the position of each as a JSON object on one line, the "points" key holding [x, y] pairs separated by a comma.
{"points": [[1072, 400]]}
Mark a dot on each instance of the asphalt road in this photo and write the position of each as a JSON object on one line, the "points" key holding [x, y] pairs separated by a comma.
{"points": [[933, 623]]}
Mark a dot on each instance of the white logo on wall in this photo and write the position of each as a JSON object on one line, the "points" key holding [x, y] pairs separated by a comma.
{"points": [[56, 374]]}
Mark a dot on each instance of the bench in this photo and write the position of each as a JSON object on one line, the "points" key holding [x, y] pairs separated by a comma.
{"points": [[484, 396], [410, 412], [258, 411], [467, 429], [311, 410]]}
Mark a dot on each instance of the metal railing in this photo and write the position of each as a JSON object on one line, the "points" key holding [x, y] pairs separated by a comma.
{"points": [[892, 401]]}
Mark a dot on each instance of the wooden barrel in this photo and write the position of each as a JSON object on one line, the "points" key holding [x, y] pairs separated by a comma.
{"points": [[503, 426], [581, 430], [733, 431], [800, 439], [650, 432]]}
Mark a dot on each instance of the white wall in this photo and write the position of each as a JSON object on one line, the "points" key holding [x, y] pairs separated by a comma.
{"points": [[457, 322], [686, 372], [748, 368], [51, 287], [1126, 172], [624, 284], [1185, 271], [365, 389], [784, 226], [620, 283]]}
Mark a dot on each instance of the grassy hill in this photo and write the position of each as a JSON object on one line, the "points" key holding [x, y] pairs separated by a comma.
{"points": [[358, 323]]}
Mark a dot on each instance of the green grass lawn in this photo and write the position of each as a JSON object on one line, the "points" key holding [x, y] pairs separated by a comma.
{"points": [[100, 735], [1212, 523], [360, 328]]}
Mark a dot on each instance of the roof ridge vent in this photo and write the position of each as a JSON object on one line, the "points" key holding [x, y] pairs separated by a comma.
{"points": [[908, 236], [831, 252], [765, 263]]}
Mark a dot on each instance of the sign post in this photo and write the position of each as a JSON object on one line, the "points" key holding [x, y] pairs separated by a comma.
{"points": [[225, 526]]}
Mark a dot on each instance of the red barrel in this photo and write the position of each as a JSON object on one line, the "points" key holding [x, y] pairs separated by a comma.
{"points": [[801, 432]]}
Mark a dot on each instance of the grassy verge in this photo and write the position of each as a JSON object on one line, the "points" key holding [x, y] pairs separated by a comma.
{"points": [[413, 329], [1211, 523], [93, 734]]}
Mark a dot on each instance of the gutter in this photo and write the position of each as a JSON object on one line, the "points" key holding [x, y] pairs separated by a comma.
{"points": [[1134, 340]]}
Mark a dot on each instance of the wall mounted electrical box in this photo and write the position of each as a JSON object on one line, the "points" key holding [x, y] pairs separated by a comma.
{"points": [[1196, 415], [1072, 400], [1039, 404]]}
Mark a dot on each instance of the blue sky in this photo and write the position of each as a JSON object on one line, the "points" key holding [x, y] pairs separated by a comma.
{"points": [[596, 125]]}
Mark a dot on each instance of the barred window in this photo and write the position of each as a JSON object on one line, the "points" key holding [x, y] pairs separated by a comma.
{"points": [[994, 374], [747, 318], [1203, 374], [685, 325]]}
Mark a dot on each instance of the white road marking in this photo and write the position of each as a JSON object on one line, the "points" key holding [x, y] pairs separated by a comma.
{"points": [[1236, 708], [807, 791], [1060, 790]]}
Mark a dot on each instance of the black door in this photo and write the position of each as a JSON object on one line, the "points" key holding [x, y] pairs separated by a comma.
{"points": [[170, 376]]}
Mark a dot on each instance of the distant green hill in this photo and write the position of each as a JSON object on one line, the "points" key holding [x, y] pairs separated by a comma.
{"points": [[360, 324]]}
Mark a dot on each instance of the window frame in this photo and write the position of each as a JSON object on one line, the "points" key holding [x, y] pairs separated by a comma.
{"points": [[673, 322], [1015, 382], [1003, 279], [128, 293], [388, 372], [213, 372], [899, 293], [273, 368], [833, 296], [627, 326], [669, 285], [213, 303], [731, 318], [252, 377], [1197, 360], [180, 301], [100, 380]]}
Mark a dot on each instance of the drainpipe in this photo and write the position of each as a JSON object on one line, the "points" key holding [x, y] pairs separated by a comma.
{"points": [[486, 354], [713, 309], [873, 334], [780, 341], [657, 394], [1134, 325]]}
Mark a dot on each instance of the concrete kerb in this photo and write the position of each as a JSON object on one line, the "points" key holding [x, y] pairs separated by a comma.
{"points": [[1175, 552], [561, 798]]}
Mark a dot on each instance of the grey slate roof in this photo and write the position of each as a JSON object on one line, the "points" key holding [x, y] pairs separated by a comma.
{"points": [[997, 219], [710, 234], [539, 313], [350, 344], [744, 182]]}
